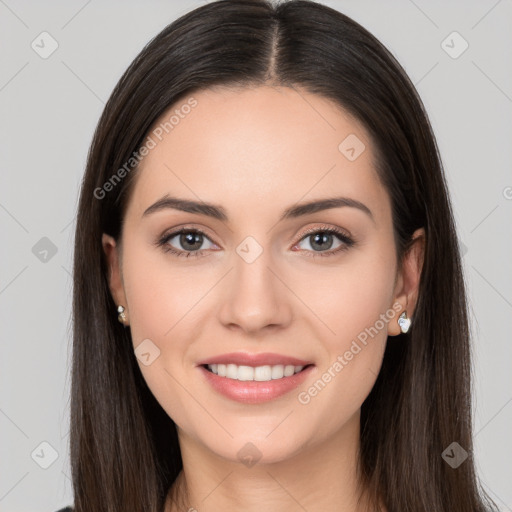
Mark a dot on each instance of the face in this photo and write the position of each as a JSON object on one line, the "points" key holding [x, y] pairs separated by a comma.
{"points": [[261, 285]]}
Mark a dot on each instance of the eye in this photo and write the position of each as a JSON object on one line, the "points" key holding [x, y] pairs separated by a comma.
{"points": [[189, 239], [320, 239]]}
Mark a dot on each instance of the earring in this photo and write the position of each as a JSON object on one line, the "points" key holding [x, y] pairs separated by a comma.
{"points": [[122, 315], [404, 322]]}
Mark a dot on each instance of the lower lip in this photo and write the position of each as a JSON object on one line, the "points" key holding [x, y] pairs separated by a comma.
{"points": [[255, 392]]}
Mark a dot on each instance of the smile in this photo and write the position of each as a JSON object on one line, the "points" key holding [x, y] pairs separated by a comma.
{"points": [[253, 378], [249, 373]]}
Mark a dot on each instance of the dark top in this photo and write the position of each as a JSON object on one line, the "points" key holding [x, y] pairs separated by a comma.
{"points": [[67, 509]]}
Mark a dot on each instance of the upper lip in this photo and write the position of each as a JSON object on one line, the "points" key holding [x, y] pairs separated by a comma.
{"points": [[246, 359]]}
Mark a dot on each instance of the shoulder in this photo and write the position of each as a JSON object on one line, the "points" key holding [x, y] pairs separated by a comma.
{"points": [[67, 509]]}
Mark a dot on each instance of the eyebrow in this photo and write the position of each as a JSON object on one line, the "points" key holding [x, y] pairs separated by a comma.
{"points": [[218, 212]]}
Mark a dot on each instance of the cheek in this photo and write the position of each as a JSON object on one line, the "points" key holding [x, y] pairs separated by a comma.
{"points": [[358, 294], [359, 312], [161, 309], [162, 295]]}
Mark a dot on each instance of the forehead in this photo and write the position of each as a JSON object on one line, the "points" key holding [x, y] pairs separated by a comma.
{"points": [[257, 149]]}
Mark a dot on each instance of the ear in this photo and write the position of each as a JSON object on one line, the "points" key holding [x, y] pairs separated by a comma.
{"points": [[408, 280], [113, 260]]}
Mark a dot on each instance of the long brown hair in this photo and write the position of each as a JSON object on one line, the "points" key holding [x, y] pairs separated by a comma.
{"points": [[124, 449]]}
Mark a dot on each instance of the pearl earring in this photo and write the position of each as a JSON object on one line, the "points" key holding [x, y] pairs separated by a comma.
{"points": [[122, 315], [404, 322]]}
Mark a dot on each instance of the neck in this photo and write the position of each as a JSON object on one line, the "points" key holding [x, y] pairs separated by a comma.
{"points": [[318, 477]]}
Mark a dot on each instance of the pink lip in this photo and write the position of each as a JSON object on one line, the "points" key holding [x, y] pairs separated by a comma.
{"points": [[255, 392], [246, 359]]}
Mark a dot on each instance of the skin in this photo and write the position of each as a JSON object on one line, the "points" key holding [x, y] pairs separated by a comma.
{"points": [[257, 151]]}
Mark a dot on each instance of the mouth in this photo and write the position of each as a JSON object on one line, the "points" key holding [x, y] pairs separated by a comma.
{"points": [[254, 378], [263, 373]]}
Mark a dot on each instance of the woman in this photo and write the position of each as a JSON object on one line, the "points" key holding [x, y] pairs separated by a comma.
{"points": [[269, 308]]}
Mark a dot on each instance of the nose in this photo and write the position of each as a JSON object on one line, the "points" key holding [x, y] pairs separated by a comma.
{"points": [[254, 298]]}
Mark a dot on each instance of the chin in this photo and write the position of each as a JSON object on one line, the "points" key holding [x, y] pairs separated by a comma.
{"points": [[258, 447]]}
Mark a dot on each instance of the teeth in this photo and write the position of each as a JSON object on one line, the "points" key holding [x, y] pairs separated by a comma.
{"points": [[258, 373]]}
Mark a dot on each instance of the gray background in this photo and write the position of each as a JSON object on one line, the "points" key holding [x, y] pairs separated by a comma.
{"points": [[49, 109]]}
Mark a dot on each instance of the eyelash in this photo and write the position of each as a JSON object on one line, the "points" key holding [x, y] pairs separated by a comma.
{"points": [[347, 242]]}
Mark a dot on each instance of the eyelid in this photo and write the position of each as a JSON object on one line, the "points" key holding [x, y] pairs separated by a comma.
{"points": [[205, 231], [325, 227], [176, 230]]}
